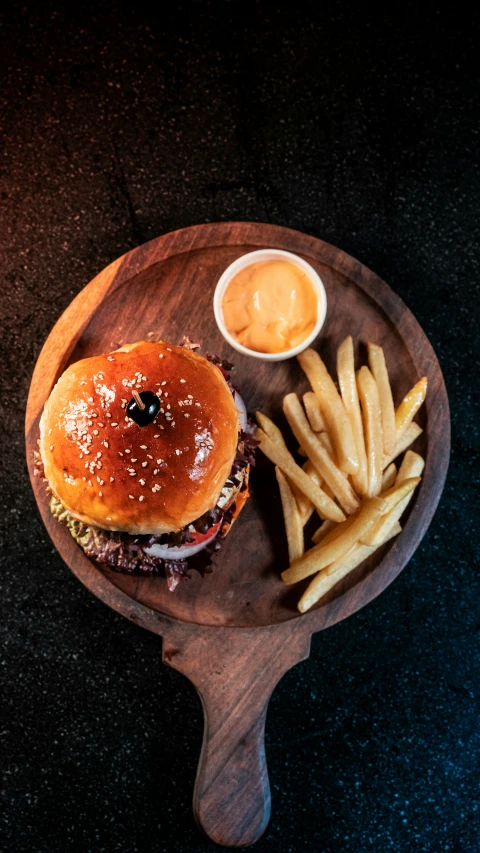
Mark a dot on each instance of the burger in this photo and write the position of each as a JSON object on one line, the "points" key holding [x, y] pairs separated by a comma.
{"points": [[146, 452]]}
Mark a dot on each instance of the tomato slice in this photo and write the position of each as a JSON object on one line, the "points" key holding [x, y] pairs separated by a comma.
{"points": [[202, 537]]}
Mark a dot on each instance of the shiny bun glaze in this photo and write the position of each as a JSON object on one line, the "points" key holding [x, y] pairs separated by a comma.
{"points": [[111, 473]]}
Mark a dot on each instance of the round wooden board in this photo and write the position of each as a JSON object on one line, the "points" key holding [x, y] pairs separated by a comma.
{"points": [[166, 287]]}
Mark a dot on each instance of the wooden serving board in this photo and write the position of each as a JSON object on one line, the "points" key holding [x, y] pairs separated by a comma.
{"points": [[235, 633]]}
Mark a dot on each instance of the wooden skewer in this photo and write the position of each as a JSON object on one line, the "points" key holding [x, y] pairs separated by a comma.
{"points": [[138, 400]]}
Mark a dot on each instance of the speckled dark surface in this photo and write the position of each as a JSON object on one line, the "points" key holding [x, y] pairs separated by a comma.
{"points": [[119, 126]]}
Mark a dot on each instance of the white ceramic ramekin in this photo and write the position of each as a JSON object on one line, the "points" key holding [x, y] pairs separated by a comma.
{"points": [[269, 255]]}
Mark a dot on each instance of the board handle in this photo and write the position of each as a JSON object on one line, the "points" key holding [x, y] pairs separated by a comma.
{"points": [[235, 673]]}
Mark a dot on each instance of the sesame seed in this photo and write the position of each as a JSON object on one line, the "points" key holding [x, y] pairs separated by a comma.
{"points": [[100, 494], [108, 415], [127, 450], [197, 404], [159, 461], [144, 464], [81, 456], [110, 358], [161, 355], [99, 424], [131, 470], [105, 444], [186, 415], [133, 460], [149, 457], [169, 349], [155, 472], [164, 382], [120, 453], [131, 497], [52, 446], [143, 446], [98, 455], [178, 452], [113, 424], [183, 381], [94, 415], [189, 396], [168, 406], [157, 436], [95, 431], [141, 498], [112, 479], [90, 399], [133, 474], [142, 482], [173, 423]]}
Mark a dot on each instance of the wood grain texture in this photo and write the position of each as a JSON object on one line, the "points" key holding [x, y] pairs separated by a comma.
{"points": [[235, 633]]}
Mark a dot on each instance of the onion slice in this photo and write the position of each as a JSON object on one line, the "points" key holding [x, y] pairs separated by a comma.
{"points": [[241, 409], [180, 552]]}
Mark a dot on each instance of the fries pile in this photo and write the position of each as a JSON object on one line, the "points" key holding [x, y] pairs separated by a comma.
{"points": [[351, 438]]}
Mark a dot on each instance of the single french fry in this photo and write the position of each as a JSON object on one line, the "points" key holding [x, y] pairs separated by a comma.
{"points": [[409, 406], [326, 527], [280, 456], [348, 388], [322, 461], [306, 511], [270, 429], [314, 412], [372, 425], [411, 467], [334, 532], [396, 493], [333, 573], [291, 515], [323, 554], [326, 442], [389, 477], [332, 409], [376, 359], [409, 436]]}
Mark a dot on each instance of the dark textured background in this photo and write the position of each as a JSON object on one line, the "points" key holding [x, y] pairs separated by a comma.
{"points": [[118, 126]]}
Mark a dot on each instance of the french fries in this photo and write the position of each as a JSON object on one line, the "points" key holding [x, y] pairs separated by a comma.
{"points": [[332, 409], [314, 412], [337, 570], [322, 555], [324, 464], [376, 360], [389, 476], [368, 393], [325, 527], [409, 436], [293, 523], [350, 440], [411, 468], [348, 388], [409, 406], [280, 456]]}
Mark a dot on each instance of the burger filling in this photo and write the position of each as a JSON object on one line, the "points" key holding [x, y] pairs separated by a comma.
{"points": [[172, 555]]}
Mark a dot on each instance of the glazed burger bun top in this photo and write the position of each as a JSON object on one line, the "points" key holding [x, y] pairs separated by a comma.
{"points": [[111, 473]]}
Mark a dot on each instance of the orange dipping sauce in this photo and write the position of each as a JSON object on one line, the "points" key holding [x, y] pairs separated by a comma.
{"points": [[270, 306]]}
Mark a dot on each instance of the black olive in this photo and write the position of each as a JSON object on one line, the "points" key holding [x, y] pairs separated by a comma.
{"points": [[147, 415]]}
